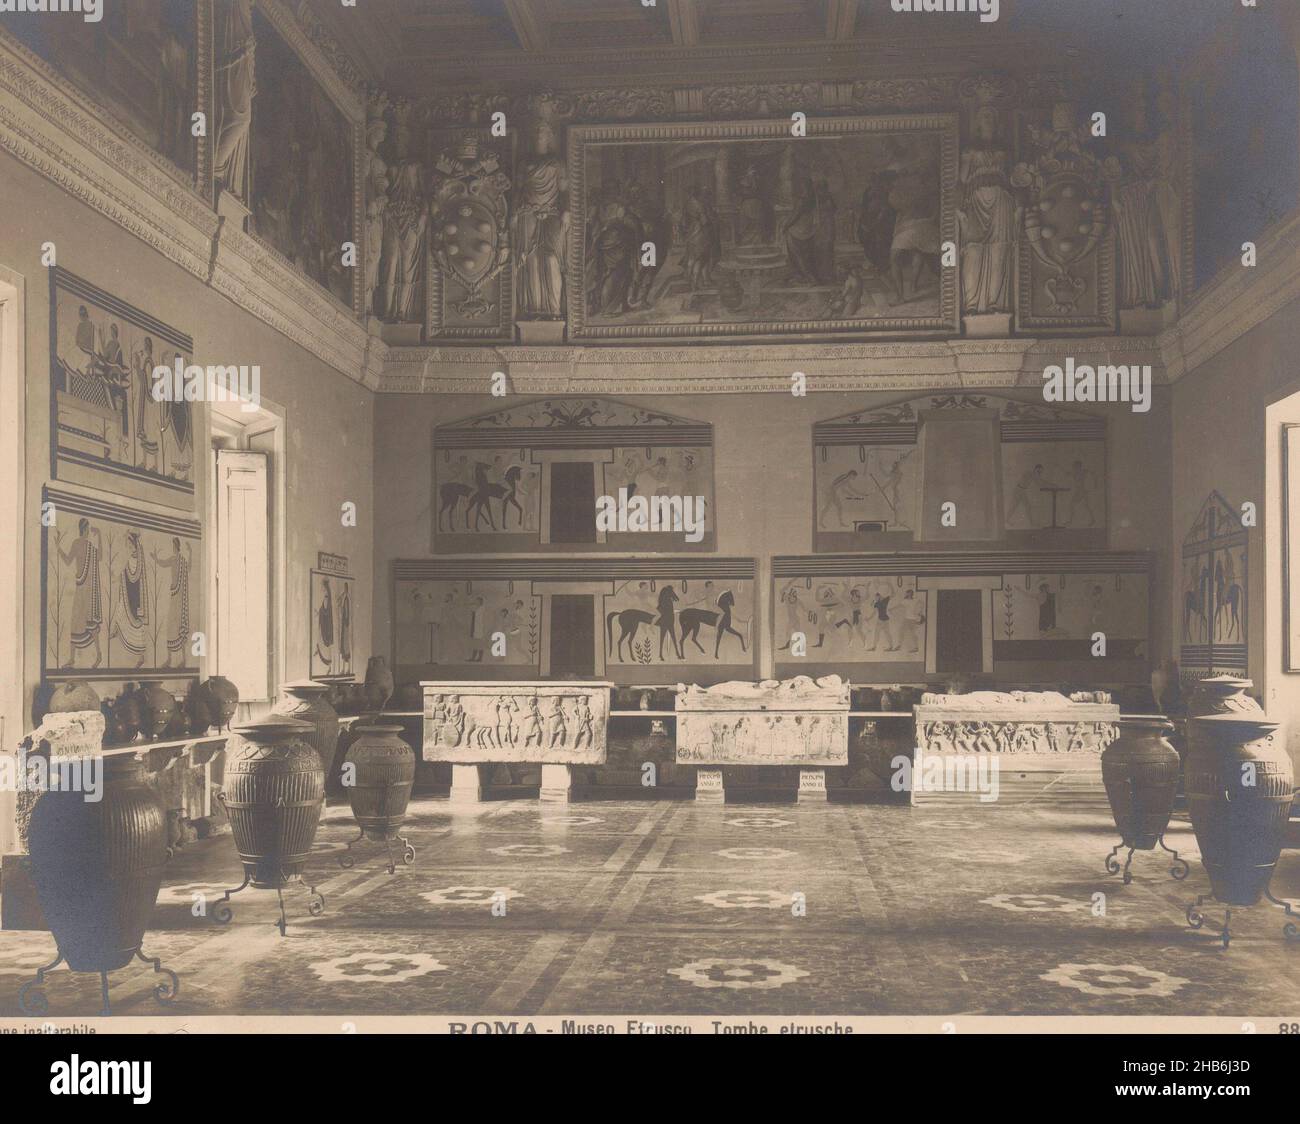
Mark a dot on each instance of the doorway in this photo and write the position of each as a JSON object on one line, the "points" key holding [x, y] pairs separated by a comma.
{"points": [[573, 635], [959, 630], [573, 502]]}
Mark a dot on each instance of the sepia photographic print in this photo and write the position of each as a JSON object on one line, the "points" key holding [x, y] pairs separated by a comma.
{"points": [[653, 516]]}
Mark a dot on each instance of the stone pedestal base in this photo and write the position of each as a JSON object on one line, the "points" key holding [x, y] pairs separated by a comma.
{"points": [[541, 331], [557, 784], [708, 786], [812, 786], [986, 325], [466, 785]]}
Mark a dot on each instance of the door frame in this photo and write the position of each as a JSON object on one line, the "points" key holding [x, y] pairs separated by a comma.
{"points": [[988, 585]]}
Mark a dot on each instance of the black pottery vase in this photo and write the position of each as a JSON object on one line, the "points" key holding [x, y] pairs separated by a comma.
{"points": [[1140, 772], [97, 865]]}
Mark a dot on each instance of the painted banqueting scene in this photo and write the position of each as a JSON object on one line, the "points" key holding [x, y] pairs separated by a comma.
{"points": [[636, 515]]}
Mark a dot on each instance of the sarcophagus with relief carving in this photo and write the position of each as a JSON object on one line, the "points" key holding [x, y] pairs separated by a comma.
{"points": [[540, 722], [795, 722]]}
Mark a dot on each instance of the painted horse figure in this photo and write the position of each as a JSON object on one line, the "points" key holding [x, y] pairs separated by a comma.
{"points": [[631, 620], [1230, 603], [486, 492], [1194, 606], [449, 497], [692, 620]]}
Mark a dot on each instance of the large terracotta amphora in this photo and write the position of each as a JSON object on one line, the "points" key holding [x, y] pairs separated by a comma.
{"points": [[1221, 694], [97, 865], [1239, 787], [1140, 772], [309, 701], [383, 768], [274, 788]]}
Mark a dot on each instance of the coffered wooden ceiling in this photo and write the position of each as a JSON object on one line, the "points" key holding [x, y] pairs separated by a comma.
{"points": [[414, 46]]}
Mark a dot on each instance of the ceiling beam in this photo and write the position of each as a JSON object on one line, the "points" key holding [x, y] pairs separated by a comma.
{"points": [[684, 19], [530, 31], [841, 15]]}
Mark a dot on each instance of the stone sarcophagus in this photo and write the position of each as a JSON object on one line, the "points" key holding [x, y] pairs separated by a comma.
{"points": [[1046, 745], [795, 722], [502, 721]]}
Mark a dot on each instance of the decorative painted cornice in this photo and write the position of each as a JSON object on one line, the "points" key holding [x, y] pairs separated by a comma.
{"points": [[699, 369], [57, 132]]}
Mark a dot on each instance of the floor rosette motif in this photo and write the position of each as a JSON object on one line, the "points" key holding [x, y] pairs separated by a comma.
{"points": [[738, 974], [1115, 979]]}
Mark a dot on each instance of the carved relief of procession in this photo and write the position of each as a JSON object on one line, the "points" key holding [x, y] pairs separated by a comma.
{"points": [[504, 721], [788, 739], [1014, 737]]}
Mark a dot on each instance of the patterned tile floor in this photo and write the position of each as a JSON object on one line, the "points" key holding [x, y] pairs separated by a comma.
{"points": [[671, 908]]}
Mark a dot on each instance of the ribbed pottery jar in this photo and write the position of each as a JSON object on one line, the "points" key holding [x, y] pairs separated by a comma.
{"points": [[1140, 772], [273, 792], [1222, 694], [384, 774], [97, 865], [309, 701], [1239, 780]]}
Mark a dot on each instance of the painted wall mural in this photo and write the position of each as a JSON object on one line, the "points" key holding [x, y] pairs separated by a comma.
{"points": [[107, 430], [1054, 616], [527, 478], [301, 155], [1026, 615], [1213, 586], [137, 62], [853, 620], [450, 623], [331, 629], [1030, 474], [122, 591], [756, 231], [633, 620]]}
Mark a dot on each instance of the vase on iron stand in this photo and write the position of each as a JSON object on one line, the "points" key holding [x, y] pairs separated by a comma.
{"points": [[380, 767], [1239, 788], [308, 700], [1140, 771], [97, 866], [1216, 694], [273, 792]]}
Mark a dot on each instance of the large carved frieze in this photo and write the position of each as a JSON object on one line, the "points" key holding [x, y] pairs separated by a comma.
{"points": [[552, 723]]}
